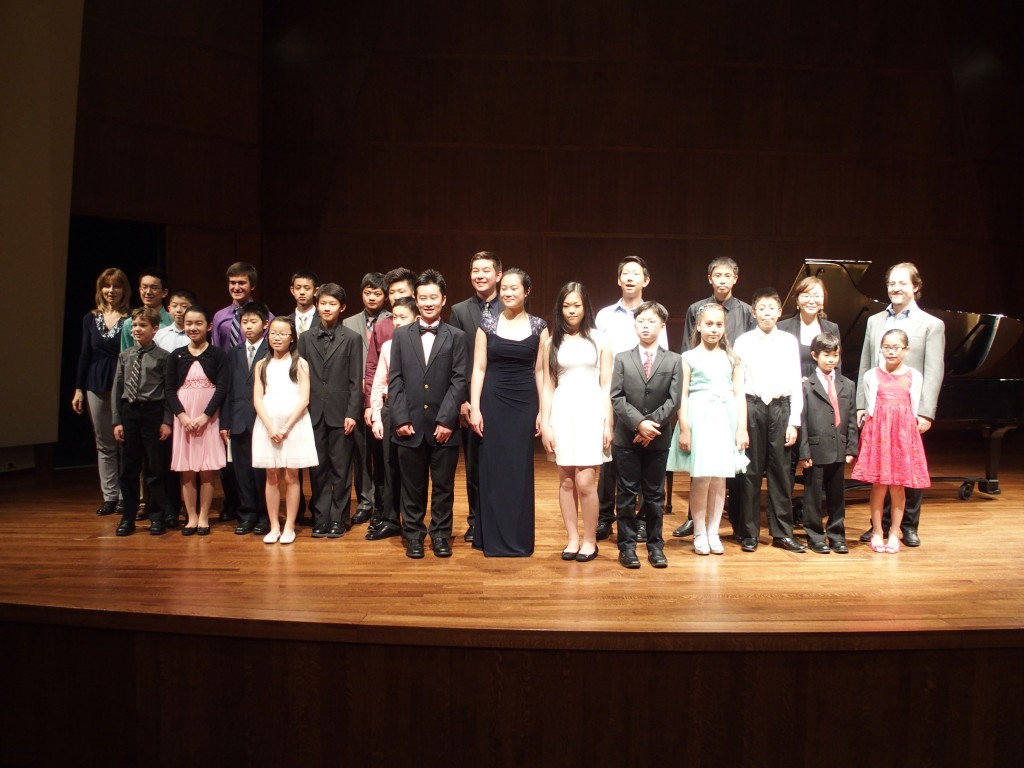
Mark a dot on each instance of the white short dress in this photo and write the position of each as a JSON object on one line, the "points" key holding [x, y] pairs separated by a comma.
{"points": [[279, 398], [578, 408]]}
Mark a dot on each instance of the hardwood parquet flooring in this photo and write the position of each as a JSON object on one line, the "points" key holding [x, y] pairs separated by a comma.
{"points": [[61, 563]]}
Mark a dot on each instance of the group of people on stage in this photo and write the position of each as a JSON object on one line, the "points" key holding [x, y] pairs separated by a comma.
{"points": [[383, 399]]}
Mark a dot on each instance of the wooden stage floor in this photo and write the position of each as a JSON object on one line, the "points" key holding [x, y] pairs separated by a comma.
{"points": [[61, 564]]}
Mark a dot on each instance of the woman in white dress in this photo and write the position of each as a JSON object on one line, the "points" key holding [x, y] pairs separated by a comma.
{"points": [[282, 439], [576, 413]]}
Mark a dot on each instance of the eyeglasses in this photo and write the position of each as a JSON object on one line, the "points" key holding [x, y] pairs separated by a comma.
{"points": [[280, 334], [892, 347], [812, 296]]}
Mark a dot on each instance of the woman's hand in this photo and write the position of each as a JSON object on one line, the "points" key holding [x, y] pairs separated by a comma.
{"points": [[548, 440], [684, 440], [78, 401], [476, 421]]}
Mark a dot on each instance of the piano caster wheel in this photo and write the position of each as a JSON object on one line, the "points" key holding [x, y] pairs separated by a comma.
{"points": [[966, 491]]}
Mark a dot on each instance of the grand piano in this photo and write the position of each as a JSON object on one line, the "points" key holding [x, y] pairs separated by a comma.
{"points": [[983, 388]]}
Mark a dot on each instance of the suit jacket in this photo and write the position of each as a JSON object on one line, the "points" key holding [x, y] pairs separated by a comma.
{"points": [[238, 414], [466, 317], [927, 335], [357, 324], [791, 325], [635, 398], [335, 376], [820, 439], [427, 392]]}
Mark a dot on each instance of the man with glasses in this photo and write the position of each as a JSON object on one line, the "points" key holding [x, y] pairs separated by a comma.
{"points": [[926, 353]]}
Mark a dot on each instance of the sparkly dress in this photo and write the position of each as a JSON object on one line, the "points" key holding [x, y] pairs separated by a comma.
{"points": [[891, 449]]}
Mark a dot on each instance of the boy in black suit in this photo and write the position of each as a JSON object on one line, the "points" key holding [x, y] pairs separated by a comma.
{"points": [[426, 387], [334, 354], [238, 416], [645, 393], [142, 422], [828, 442]]}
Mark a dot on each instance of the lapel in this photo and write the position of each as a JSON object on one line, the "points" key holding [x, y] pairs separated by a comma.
{"points": [[634, 356], [819, 391], [444, 336], [318, 344], [361, 330], [261, 350]]}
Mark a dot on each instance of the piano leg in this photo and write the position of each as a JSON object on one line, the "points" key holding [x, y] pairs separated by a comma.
{"points": [[994, 439]]}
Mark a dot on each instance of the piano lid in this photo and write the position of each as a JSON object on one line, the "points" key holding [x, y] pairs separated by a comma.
{"points": [[977, 344]]}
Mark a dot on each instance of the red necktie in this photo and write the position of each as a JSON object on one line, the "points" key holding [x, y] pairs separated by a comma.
{"points": [[647, 364], [832, 396]]}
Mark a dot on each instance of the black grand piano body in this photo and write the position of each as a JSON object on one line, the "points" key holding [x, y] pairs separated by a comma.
{"points": [[983, 388]]}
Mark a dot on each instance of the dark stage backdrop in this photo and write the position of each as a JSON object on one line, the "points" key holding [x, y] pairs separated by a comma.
{"points": [[349, 136]]}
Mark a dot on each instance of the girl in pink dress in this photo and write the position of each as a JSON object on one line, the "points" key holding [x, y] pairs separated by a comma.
{"points": [[891, 451], [197, 382]]}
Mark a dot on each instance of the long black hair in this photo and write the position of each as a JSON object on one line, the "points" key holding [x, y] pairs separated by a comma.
{"points": [[560, 327], [293, 348]]}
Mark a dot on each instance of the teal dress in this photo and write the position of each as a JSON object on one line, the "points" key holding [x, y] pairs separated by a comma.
{"points": [[712, 412]]}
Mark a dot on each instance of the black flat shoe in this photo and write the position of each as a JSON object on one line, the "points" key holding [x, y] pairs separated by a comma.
{"points": [[336, 530], [581, 558], [203, 530], [567, 555], [189, 531]]}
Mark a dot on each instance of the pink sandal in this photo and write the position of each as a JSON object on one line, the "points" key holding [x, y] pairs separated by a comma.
{"points": [[893, 545], [877, 545]]}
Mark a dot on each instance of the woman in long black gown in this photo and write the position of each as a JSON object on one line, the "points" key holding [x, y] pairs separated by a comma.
{"points": [[505, 401]]}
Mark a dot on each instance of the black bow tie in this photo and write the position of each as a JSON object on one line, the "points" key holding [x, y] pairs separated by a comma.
{"points": [[428, 329], [325, 333]]}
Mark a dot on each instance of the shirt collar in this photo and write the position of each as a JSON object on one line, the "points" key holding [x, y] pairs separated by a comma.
{"points": [[905, 312]]}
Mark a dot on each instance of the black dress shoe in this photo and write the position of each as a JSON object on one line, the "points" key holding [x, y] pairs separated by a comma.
{"points": [[203, 530], [641, 531], [361, 516], [320, 530], [839, 547], [384, 532], [748, 545], [789, 544], [604, 530], [820, 548], [441, 547], [686, 529], [260, 529], [628, 559], [245, 528], [910, 538], [141, 514], [107, 508], [657, 558], [126, 527], [414, 549], [336, 530], [581, 558], [865, 538], [157, 528], [227, 514], [171, 521], [468, 535]]}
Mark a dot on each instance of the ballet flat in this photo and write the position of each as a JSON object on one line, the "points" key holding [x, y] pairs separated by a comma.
{"points": [[877, 545], [272, 538], [567, 555], [288, 537], [581, 558]]}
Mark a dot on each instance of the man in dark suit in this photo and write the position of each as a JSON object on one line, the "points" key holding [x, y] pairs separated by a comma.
{"points": [[827, 443], [367, 457], [927, 335], [238, 416], [334, 354], [485, 274], [426, 387], [646, 387]]}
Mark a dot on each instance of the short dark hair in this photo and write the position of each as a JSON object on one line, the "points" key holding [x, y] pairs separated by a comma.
{"points": [[306, 274], [490, 256], [405, 301], [372, 280], [633, 260], [825, 342], [431, 277], [724, 261], [159, 274], [256, 308], [332, 289], [200, 310], [397, 275], [243, 268], [182, 293], [655, 307], [765, 293], [523, 277], [150, 314], [896, 332]]}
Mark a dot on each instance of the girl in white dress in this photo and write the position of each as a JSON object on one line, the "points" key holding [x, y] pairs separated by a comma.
{"points": [[282, 440], [576, 413]]}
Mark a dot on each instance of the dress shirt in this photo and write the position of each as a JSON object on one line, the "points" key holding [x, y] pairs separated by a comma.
{"points": [[739, 318], [303, 320], [152, 379], [171, 338], [896, 320], [771, 368], [427, 339], [619, 326], [379, 390], [221, 336]]}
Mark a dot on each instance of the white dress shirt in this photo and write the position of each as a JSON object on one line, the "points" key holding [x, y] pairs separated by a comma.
{"points": [[619, 326], [771, 368]]}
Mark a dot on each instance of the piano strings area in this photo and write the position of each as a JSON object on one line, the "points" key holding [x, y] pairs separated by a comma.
{"points": [[162, 649]]}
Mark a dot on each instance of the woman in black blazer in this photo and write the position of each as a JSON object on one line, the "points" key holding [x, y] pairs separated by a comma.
{"points": [[809, 320]]}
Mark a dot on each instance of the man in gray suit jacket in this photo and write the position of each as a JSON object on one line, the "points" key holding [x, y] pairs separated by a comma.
{"points": [[926, 353], [485, 274], [645, 392]]}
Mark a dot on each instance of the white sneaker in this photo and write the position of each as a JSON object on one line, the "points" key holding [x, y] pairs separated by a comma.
{"points": [[288, 537], [715, 544], [700, 544], [272, 537]]}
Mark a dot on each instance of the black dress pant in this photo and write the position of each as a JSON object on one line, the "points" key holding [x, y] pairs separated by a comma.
{"points": [[421, 465], [911, 512], [362, 470], [332, 477], [607, 491], [825, 482], [768, 453], [142, 447], [641, 472], [471, 448], [391, 497], [250, 482]]}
